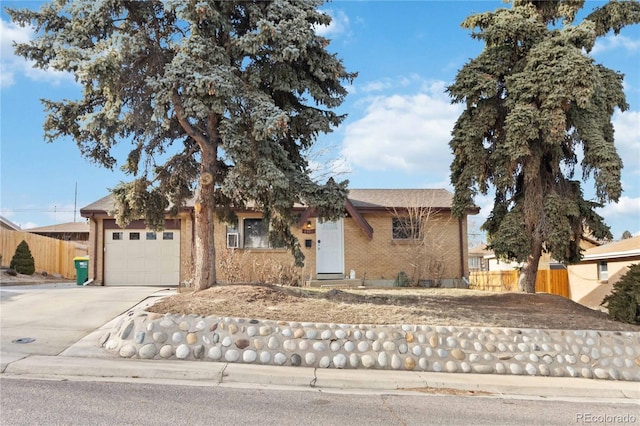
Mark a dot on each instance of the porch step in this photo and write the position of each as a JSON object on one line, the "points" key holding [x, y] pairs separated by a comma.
{"points": [[334, 283]]}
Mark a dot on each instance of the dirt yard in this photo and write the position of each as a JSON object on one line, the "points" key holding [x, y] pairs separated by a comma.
{"points": [[391, 306]]}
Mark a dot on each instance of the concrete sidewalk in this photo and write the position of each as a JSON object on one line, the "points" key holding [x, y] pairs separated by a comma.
{"points": [[67, 323]]}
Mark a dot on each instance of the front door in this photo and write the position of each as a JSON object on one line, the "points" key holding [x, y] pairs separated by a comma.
{"points": [[330, 250]]}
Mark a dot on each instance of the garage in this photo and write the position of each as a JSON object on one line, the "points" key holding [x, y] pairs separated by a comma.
{"points": [[141, 257]]}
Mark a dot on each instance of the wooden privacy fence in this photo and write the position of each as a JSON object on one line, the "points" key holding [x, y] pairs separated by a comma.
{"points": [[51, 255], [554, 281]]}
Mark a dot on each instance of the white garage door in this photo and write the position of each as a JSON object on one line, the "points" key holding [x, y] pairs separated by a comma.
{"points": [[142, 257]]}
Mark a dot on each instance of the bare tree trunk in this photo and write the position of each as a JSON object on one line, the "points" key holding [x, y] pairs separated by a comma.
{"points": [[529, 272], [205, 210]]}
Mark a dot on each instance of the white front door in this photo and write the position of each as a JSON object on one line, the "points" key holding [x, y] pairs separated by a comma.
{"points": [[330, 250]]}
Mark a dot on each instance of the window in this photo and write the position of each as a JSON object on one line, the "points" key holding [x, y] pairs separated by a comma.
{"points": [[474, 262], [134, 236], [233, 237], [405, 228], [115, 236], [151, 235], [255, 234], [603, 273], [167, 235]]}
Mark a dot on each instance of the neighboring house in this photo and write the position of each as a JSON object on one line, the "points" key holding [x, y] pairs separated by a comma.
{"points": [[73, 231], [378, 238], [7, 224], [478, 258], [600, 268]]}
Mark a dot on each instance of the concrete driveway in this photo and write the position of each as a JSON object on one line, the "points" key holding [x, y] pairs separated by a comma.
{"points": [[46, 319]]}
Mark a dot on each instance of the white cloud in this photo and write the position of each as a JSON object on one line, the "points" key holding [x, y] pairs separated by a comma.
{"points": [[408, 133], [339, 24], [626, 213], [613, 42], [627, 139], [11, 65]]}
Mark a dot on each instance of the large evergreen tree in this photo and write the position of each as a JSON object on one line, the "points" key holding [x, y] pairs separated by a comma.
{"points": [[534, 97], [216, 98]]}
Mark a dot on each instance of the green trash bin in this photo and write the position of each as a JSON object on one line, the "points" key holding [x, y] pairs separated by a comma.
{"points": [[82, 269]]}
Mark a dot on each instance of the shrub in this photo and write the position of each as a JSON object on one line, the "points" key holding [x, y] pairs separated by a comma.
{"points": [[23, 261], [624, 301]]}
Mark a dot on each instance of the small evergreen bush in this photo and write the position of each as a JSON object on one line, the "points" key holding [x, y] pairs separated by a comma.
{"points": [[624, 301], [22, 261]]}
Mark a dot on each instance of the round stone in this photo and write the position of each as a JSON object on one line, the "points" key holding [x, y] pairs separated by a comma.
{"points": [[249, 356], [523, 347], [458, 354], [251, 331], [409, 337], [166, 351], [357, 334], [258, 343], [324, 362], [273, 343], [265, 330], [192, 338], [280, 358], [354, 360], [490, 347], [515, 369], [595, 353], [376, 346], [319, 346], [500, 368], [474, 357], [311, 333], [349, 346], [403, 348], [368, 361], [584, 359], [299, 333], [159, 336], [465, 367], [442, 353], [265, 357], [482, 369], [215, 353], [166, 323], [303, 345], [296, 360], [232, 355], [409, 363], [416, 350], [287, 332], [586, 373], [198, 351], [176, 337], [215, 338], [183, 351], [334, 346], [383, 359], [433, 341], [544, 370], [326, 335], [289, 345], [363, 346], [127, 351], [242, 343], [233, 329], [310, 358], [341, 334], [339, 361], [139, 337], [396, 362], [227, 341], [184, 326], [437, 367], [370, 334], [423, 363], [389, 346], [451, 366], [451, 342], [531, 369], [600, 373]]}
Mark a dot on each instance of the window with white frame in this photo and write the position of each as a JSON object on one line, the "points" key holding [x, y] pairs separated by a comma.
{"points": [[603, 272]]}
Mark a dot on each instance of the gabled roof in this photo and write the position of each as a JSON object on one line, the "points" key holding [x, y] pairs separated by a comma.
{"points": [[7, 224], [385, 199], [61, 227], [623, 248], [480, 251]]}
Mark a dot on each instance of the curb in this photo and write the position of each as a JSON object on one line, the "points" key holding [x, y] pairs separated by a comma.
{"points": [[223, 374]]}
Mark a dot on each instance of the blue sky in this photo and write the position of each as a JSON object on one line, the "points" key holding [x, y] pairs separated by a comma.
{"points": [[396, 134]]}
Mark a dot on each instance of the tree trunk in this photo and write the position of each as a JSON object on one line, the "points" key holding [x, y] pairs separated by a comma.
{"points": [[529, 272], [205, 209]]}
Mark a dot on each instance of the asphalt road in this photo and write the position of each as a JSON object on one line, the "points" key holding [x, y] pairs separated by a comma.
{"points": [[42, 402]]}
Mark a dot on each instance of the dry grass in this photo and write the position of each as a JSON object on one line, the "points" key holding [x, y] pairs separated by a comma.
{"points": [[391, 306]]}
